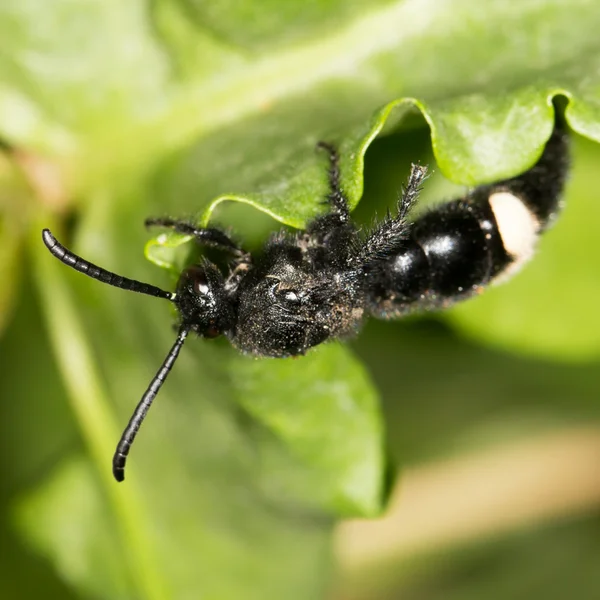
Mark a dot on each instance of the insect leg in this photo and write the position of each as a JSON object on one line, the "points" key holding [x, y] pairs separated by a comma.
{"points": [[390, 235], [209, 236], [336, 197]]}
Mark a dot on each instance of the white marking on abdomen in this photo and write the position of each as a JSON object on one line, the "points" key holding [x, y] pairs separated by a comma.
{"points": [[518, 228]]}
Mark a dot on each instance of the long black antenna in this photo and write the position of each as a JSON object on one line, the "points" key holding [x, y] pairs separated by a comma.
{"points": [[124, 445], [87, 268]]}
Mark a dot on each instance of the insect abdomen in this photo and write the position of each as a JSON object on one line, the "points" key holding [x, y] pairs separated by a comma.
{"points": [[459, 247]]}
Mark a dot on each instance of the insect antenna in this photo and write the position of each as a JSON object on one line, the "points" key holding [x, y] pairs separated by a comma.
{"points": [[124, 445], [87, 268]]}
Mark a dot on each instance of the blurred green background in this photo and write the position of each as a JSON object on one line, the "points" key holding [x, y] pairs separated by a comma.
{"points": [[246, 472]]}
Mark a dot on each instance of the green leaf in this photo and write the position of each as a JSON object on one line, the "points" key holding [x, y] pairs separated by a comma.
{"points": [[167, 83], [71, 509], [330, 424], [169, 107], [236, 23]]}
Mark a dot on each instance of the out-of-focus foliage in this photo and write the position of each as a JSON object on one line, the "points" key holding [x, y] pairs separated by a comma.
{"points": [[171, 106]]}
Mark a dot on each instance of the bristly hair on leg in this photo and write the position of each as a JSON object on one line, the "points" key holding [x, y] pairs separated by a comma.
{"points": [[410, 191], [336, 196], [389, 235]]}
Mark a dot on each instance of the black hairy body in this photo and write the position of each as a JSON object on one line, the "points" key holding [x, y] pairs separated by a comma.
{"points": [[322, 283]]}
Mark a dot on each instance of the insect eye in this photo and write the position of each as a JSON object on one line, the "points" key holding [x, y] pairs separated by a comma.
{"points": [[201, 285], [290, 296], [196, 280], [287, 295], [283, 293]]}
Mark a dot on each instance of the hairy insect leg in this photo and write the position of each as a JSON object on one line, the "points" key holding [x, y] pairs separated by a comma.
{"points": [[336, 196], [209, 236], [410, 191], [390, 235]]}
